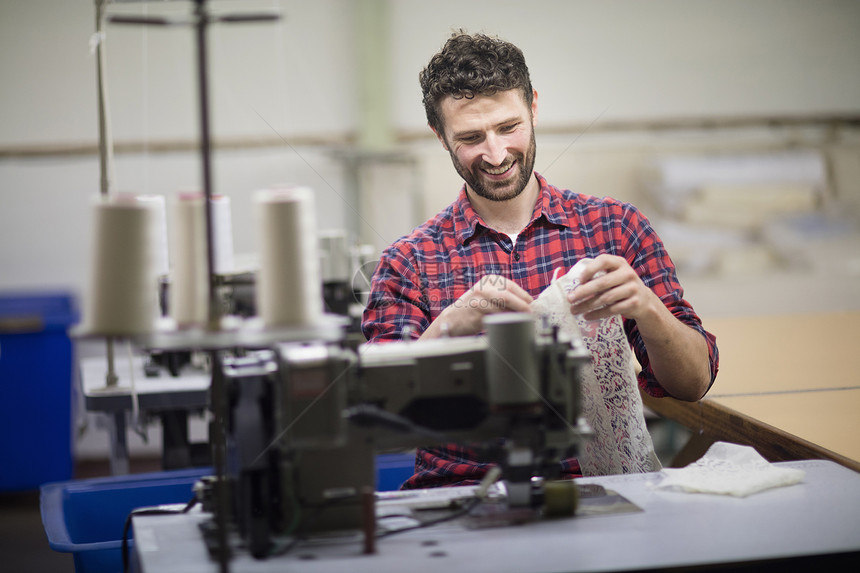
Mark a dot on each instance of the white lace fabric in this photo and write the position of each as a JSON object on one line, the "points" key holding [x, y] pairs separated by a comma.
{"points": [[729, 469], [611, 404]]}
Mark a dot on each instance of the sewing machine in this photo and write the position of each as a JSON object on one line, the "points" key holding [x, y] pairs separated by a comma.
{"points": [[305, 420]]}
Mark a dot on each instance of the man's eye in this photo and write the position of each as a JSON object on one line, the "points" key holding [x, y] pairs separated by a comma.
{"points": [[509, 128]]}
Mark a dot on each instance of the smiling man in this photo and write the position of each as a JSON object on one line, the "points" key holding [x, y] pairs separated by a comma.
{"points": [[497, 245]]}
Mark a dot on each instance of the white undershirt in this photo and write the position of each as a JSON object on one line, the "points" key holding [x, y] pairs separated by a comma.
{"points": [[513, 239]]}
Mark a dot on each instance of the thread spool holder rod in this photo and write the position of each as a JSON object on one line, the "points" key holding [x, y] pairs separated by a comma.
{"points": [[200, 20]]}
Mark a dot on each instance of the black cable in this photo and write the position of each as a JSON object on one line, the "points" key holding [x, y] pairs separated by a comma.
{"points": [[467, 507], [147, 511], [367, 415], [306, 520]]}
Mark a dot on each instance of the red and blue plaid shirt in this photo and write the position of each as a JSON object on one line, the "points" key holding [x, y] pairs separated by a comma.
{"points": [[426, 271]]}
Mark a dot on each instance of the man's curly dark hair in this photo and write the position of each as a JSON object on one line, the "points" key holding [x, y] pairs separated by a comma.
{"points": [[469, 65]]}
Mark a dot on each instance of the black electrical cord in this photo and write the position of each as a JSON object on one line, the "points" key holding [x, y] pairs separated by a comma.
{"points": [[306, 520], [147, 511], [468, 506], [367, 415]]}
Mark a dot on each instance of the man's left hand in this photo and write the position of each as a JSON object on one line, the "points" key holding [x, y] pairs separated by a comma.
{"points": [[610, 286], [678, 354]]}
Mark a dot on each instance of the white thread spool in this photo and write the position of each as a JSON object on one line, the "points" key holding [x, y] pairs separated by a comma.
{"points": [[334, 256], [162, 267], [289, 292], [223, 221], [189, 279], [189, 289], [123, 282]]}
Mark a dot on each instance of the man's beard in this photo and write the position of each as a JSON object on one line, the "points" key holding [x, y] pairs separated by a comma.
{"points": [[493, 190]]}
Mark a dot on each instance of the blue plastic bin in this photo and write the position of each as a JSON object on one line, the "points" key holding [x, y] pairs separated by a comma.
{"points": [[86, 517], [393, 469], [35, 389]]}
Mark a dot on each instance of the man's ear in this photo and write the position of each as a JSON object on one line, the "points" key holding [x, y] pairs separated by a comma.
{"points": [[534, 107], [440, 137]]}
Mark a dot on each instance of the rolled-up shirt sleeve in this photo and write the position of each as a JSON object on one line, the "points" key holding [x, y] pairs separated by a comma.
{"points": [[396, 302], [647, 256]]}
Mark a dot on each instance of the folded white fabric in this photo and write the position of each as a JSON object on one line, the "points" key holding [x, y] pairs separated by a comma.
{"points": [[729, 469]]}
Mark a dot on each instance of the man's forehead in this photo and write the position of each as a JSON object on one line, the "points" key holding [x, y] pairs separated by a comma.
{"points": [[509, 103]]}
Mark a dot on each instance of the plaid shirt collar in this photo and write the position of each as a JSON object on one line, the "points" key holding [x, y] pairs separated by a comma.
{"points": [[467, 221]]}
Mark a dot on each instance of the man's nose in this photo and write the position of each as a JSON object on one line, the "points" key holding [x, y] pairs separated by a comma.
{"points": [[495, 151]]}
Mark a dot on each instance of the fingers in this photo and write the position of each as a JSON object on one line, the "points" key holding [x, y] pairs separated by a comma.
{"points": [[599, 276], [602, 265], [494, 293], [502, 293], [491, 294], [608, 286], [500, 284], [517, 295], [619, 300], [517, 303]]}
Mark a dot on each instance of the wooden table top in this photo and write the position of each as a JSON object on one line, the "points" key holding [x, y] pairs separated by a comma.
{"points": [[830, 419], [789, 384], [786, 353]]}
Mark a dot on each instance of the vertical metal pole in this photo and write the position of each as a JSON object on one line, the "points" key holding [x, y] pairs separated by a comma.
{"points": [[105, 144], [222, 506], [217, 392], [119, 458], [206, 157], [105, 169]]}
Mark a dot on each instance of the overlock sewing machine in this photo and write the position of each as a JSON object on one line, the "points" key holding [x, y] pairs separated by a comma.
{"points": [[304, 421]]}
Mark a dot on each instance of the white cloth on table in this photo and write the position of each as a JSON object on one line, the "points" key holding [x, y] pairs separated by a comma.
{"points": [[729, 469]]}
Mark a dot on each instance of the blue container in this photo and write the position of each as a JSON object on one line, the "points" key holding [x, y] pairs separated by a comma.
{"points": [[393, 469], [86, 517], [35, 389]]}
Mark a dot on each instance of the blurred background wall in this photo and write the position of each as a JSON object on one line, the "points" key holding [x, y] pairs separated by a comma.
{"points": [[732, 124], [329, 97]]}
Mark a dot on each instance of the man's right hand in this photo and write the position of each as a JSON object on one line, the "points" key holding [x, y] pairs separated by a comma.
{"points": [[491, 294]]}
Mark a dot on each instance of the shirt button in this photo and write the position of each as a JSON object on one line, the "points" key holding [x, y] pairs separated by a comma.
{"points": [[516, 256]]}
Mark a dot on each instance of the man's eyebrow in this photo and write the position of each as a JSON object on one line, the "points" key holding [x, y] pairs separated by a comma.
{"points": [[469, 132], [465, 134]]}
